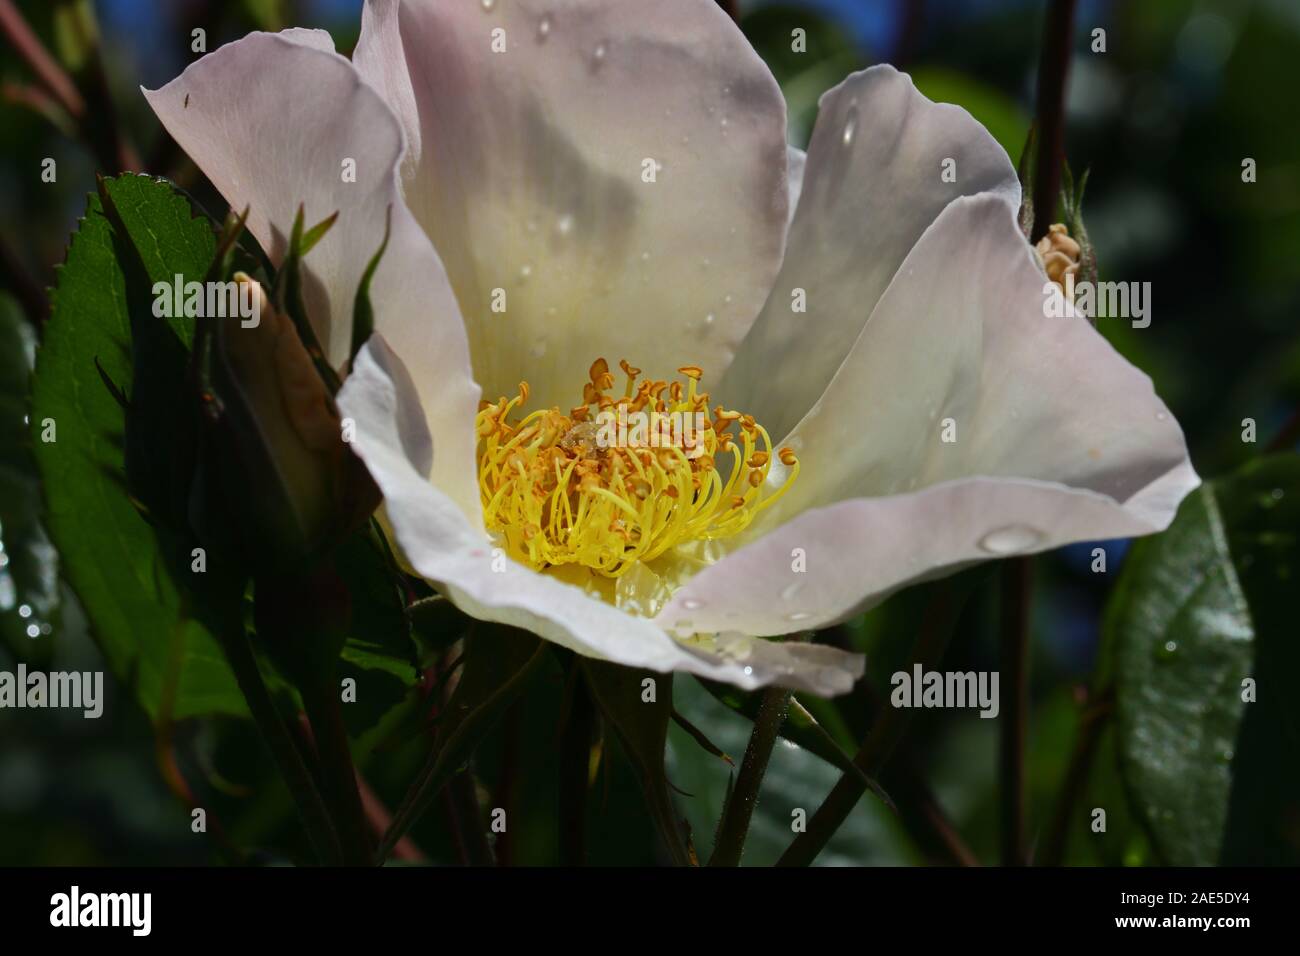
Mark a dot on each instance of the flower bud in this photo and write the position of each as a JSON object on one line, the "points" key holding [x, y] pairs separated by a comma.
{"points": [[289, 488]]}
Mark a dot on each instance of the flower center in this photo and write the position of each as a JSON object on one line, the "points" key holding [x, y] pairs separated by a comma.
{"points": [[619, 481]]}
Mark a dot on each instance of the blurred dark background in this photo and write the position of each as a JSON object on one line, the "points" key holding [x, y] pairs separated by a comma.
{"points": [[1185, 90]]}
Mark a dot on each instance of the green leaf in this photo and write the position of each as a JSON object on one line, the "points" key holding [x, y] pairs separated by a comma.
{"points": [[288, 291], [110, 554], [1182, 634], [29, 581], [1261, 505], [642, 729], [363, 313]]}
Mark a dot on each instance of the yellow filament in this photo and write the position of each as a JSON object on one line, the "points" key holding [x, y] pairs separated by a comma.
{"points": [[579, 489]]}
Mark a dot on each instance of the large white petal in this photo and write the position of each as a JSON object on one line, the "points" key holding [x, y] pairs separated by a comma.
{"points": [[439, 544], [1058, 439], [874, 182], [854, 553], [961, 334], [528, 174], [271, 120]]}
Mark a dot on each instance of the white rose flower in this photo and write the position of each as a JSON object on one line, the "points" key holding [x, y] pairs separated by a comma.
{"points": [[578, 181]]}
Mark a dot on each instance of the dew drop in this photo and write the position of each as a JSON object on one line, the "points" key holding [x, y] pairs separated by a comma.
{"points": [[850, 125], [24, 610], [544, 28], [33, 631], [791, 590], [710, 319], [798, 616], [748, 670], [692, 604], [525, 272], [1161, 416], [645, 257], [726, 300], [598, 56], [1167, 650], [1011, 539], [487, 5]]}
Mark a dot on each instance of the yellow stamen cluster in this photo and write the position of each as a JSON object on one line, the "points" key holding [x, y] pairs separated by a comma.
{"points": [[621, 480]]}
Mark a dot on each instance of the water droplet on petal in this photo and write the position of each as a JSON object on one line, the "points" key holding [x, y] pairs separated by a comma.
{"points": [[598, 56], [791, 590], [525, 272], [748, 670], [1167, 650], [1011, 539], [692, 604], [1161, 416], [564, 225], [850, 125], [543, 28], [799, 616], [24, 610], [33, 631], [487, 5], [710, 319]]}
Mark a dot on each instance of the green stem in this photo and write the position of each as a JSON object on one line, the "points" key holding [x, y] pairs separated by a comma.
{"points": [[1053, 68], [338, 774], [462, 791], [736, 816], [1016, 588], [884, 736], [284, 750], [575, 769], [1091, 725]]}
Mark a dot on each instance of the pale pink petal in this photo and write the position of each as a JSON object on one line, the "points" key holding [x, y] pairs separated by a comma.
{"points": [[874, 182], [854, 553], [959, 347], [1057, 439], [277, 120], [530, 178]]}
